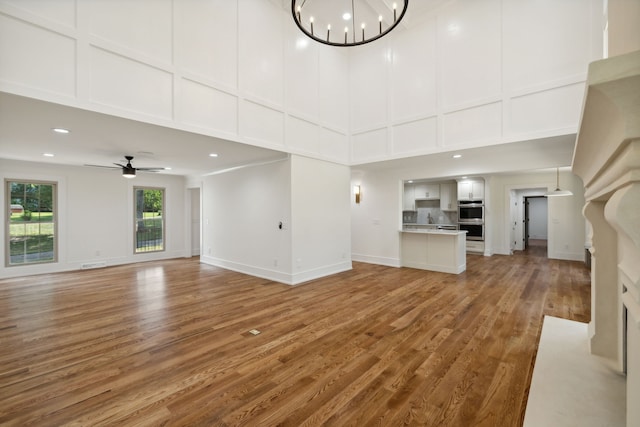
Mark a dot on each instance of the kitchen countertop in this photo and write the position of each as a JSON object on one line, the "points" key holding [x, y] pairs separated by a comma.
{"points": [[432, 231], [413, 224]]}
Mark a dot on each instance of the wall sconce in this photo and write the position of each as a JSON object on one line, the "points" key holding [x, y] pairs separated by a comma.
{"points": [[356, 191]]}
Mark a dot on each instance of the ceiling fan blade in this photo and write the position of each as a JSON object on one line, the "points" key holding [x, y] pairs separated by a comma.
{"points": [[101, 166], [150, 169], [122, 166]]}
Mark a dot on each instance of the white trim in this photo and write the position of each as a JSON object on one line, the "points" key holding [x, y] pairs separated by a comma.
{"points": [[371, 259], [277, 276]]}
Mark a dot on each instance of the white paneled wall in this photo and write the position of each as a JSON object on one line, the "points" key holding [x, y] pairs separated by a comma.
{"points": [[144, 89], [414, 94], [469, 45], [207, 51], [369, 86], [474, 73], [260, 51], [468, 74], [44, 62], [236, 69]]}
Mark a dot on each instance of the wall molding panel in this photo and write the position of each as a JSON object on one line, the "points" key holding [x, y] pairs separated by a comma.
{"points": [[483, 79], [227, 69]]}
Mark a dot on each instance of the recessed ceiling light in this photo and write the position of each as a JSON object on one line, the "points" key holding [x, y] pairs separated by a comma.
{"points": [[167, 169], [213, 155], [410, 181], [48, 154], [457, 156], [60, 130], [346, 16], [464, 177]]}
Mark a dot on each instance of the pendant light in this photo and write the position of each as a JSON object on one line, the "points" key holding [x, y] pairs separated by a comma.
{"points": [[558, 192]]}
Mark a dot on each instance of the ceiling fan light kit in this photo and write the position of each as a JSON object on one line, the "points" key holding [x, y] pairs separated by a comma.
{"points": [[128, 171]]}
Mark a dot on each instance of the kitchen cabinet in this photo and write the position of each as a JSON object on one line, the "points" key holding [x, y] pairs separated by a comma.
{"points": [[474, 246], [426, 191], [471, 190], [408, 199], [434, 250], [448, 198]]}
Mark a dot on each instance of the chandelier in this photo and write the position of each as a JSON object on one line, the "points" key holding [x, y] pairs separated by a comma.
{"points": [[334, 22]]}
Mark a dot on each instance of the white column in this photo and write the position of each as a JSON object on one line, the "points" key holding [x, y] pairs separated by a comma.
{"points": [[623, 213], [606, 313]]}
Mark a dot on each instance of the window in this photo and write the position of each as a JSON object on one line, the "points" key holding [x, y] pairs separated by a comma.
{"points": [[149, 219], [31, 224]]}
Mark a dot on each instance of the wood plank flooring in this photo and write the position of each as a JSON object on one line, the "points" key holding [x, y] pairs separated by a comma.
{"points": [[167, 343]]}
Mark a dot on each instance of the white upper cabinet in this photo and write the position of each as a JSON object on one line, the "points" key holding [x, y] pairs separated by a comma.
{"points": [[448, 201], [471, 190], [409, 201], [426, 191]]}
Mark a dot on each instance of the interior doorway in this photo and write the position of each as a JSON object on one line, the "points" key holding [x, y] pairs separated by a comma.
{"points": [[528, 221], [535, 222]]}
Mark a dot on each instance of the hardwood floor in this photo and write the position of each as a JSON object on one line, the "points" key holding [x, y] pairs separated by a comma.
{"points": [[167, 343]]}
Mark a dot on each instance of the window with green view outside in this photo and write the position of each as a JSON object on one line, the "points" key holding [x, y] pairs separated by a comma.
{"points": [[31, 224], [149, 219]]}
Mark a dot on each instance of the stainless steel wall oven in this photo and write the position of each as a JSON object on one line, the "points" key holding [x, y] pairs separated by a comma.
{"points": [[471, 218]]}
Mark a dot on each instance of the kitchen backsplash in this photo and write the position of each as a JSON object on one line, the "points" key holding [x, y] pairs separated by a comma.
{"points": [[426, 209]]}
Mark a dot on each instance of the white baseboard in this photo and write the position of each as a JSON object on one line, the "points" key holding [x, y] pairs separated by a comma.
{"points": [[369, 259], [65, 265], [278, 276], [567, 256], [316, 273]]}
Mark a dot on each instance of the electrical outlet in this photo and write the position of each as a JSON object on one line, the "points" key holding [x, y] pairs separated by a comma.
{"points": [[275, 262]]}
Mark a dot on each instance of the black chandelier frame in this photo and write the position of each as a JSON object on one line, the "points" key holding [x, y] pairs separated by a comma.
{"points": [[296, 13]]}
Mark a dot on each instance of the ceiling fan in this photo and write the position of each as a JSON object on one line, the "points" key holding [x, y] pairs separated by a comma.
{"points": [[128, 171]]}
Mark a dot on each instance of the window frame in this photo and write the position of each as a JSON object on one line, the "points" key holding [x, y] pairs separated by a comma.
{"points": [[54, 221], [135, 219]]}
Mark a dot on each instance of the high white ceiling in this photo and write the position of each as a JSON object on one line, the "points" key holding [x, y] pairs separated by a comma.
{"points": [[26, 134]]}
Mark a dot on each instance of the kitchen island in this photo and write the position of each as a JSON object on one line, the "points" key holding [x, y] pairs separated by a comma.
{"points": [[435, 250]]}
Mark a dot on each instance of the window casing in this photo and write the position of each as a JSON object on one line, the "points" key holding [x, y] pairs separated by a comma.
{"points": [[149, 233], [31, 224]]}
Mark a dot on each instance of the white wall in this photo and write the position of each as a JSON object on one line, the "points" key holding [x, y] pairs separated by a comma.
{"points": [[235, 69], [566, 225], [470, 74], [96, 214], [242, 211], [538, 218], [320, 218], [473, 73], [376, 220]]}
